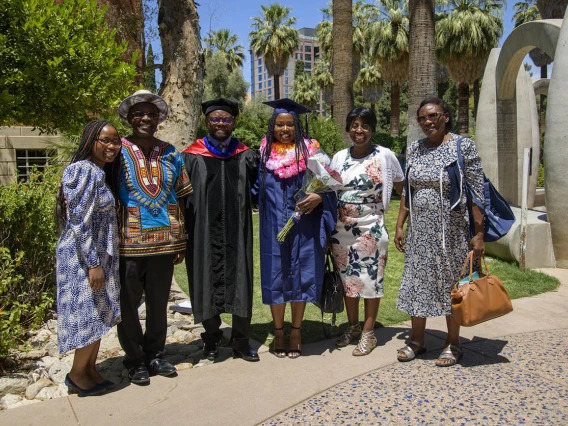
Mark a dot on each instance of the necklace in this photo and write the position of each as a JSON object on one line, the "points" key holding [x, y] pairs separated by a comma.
{"points": [[282, 160]]}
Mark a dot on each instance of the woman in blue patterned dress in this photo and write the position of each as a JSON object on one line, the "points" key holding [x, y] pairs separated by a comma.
{"points": [[87, 255], [360, 241], [437, 235]]}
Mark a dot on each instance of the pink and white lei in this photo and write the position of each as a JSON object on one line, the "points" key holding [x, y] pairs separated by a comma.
{"points": [[283, 162]]}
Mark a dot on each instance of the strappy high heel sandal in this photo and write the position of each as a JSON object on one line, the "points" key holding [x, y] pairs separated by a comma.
{"points": [[279, 344], [295, 344]]}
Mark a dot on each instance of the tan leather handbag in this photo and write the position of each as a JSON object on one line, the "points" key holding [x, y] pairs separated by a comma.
{"points": [[477, 300]]}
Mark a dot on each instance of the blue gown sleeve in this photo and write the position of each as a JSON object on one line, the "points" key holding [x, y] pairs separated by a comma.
{"points": [[80, 187], [329, 214]]}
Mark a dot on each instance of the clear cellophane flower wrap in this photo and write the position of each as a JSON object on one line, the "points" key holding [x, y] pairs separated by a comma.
{"points": [[318, 178]]}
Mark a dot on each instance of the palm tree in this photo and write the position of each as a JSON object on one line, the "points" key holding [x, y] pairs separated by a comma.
{"points": [[371, 82], [275, 39], [305, 90], [421, 60], [552, 9], [225, 42], [323, 78], [342, 60], [464, 38], [390, 40]]}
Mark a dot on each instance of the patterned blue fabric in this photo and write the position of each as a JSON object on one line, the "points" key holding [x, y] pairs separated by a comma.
{"points": [[89, 239]]}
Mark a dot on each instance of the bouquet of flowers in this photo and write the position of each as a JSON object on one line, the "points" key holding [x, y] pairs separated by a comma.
{"points": [[318, 178]]}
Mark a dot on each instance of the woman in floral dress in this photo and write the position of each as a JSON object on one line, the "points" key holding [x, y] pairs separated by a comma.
{"points": [[438, 232], [360, 240], [88, 285]]}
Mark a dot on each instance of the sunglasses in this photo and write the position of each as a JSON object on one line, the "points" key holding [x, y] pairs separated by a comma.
{"points": [[141, 114], [430, 117]]}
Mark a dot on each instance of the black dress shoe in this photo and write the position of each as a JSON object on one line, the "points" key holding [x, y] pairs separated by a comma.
{"points": [[139, 375], [210, 351], [249, 354], [161, 367]]}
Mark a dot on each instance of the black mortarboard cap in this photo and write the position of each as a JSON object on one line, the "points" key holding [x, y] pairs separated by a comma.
{"points": [[287, 106], [220, 104]]}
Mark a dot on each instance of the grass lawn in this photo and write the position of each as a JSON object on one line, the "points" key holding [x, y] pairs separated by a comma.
{"points": [[518, 284]]}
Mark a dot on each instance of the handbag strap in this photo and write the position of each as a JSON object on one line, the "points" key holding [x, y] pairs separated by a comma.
{"points": [[469, 261]]}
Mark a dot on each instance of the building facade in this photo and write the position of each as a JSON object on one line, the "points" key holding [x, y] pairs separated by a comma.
{"points": [[262, 84]]}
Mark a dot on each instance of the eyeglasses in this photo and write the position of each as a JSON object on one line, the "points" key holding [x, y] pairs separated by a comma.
{"points": [[141, 114], [365, 127], [217, 120], [430, 117], [109, 142]]}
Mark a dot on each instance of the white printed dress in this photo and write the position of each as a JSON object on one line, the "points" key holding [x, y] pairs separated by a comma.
{"points": [[89, 239], [360, 240]]}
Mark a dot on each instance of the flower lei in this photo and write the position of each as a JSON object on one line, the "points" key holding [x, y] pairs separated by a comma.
{"points": [[282, 160]]}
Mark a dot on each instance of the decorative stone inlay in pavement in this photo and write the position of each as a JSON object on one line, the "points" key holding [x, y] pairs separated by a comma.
{"points": [[520, 379]]}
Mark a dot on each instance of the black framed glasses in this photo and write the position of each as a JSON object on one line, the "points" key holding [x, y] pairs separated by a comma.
{"points": [[109, 142], [141, 114], [217, 120], [430, 117]]}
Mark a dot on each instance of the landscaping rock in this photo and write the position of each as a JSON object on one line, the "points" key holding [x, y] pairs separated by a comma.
{"points": [[183, 336], [33, 354], [33, 389], [8, 401], [40, 338], [184, 366], [52, 325], [13, 383]]}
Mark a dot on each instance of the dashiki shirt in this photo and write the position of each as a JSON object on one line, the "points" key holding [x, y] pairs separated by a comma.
{"points": [[151, 221]]}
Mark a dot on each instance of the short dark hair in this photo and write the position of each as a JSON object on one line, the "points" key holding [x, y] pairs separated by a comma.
{"points": [[366, 114], [442, 104]]}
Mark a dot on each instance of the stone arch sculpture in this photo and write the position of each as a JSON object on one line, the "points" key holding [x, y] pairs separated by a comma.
{"points": [[507, 122]]}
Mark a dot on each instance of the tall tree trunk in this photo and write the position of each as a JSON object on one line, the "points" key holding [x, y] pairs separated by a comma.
{"points": [[182, 70], [276, 79], [476, 87], [463, 109], [395, 109], [342, 62], [422, 60]]}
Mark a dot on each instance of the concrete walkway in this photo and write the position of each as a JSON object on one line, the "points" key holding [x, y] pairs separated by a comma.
{"points": [[514, 371]]}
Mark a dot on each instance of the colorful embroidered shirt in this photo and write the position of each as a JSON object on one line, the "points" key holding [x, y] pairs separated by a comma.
{"points": [[150, 219]]}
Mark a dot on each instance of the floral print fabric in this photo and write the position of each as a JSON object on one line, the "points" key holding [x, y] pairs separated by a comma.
{"points": [[360, 240], [89, 239], [431, 268]]}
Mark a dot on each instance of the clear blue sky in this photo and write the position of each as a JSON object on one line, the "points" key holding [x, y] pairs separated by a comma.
{"points": [[236, 15]]}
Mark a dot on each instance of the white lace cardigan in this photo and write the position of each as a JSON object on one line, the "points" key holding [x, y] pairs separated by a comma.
{"points": [[392, 172]]}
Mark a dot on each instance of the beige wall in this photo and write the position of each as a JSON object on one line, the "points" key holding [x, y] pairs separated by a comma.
{"points": [[15, 138]]}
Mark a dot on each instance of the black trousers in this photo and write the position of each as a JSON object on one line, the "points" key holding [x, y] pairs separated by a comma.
{"points": [[240, 332], [151, 275]]}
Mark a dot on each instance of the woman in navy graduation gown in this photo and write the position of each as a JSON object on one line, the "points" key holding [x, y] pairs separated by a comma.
{"points": [[291, 271]]}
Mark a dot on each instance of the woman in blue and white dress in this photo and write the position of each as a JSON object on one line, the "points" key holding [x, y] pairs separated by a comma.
{"points": [[360, 240], [88, 285]]}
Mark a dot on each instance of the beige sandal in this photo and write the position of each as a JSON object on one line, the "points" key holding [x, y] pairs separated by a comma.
{"points": [[352, 333], [366, 345]]}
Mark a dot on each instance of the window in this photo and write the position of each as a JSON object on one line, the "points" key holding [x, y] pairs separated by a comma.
{"points": [[308, 48], [26, 159], [259, 86], [298, 56], [286, 90], [259, 70], [308, 57], [269, 83], [316, 51], [259, 62], [307, 66], [260, 77], [286, 71], [264, 85], [285, 80], [269, 92]]}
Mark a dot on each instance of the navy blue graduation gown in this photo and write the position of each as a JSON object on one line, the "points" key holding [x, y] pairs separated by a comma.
{"points": [[292, 271]]}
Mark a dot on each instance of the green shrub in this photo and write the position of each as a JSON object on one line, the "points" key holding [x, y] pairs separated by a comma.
{"points": [[394, 143], [540, 179], [27, 254]]}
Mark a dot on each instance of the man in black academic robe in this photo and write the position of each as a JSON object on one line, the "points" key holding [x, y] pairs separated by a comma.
{"points": [[218, 217]]}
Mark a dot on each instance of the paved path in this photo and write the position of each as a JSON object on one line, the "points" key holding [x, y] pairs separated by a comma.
{"points": [[514, 371]]}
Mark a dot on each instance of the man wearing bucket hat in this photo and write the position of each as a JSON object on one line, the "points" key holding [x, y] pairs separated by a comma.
{"points": [[219, 225], [153, 180]]}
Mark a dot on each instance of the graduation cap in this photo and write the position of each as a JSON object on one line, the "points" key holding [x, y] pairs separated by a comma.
{"points": [[287, 106], [220, 104]]}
